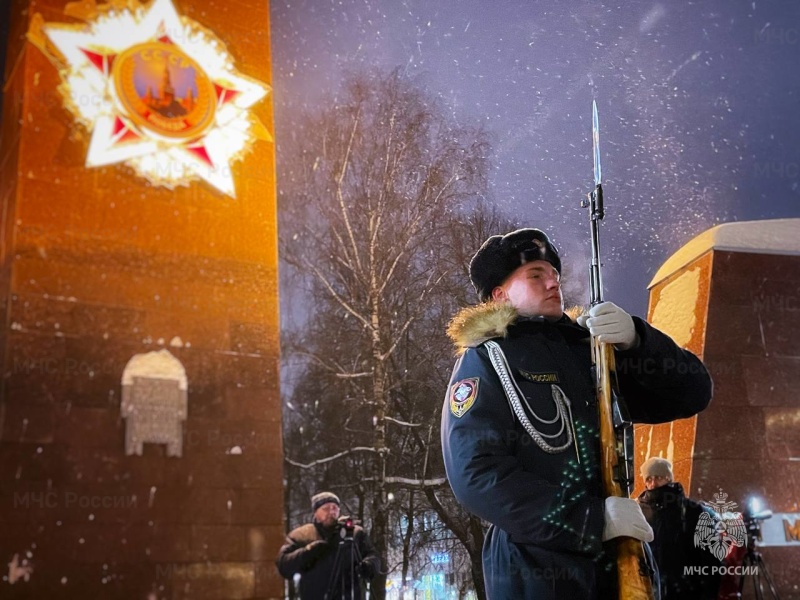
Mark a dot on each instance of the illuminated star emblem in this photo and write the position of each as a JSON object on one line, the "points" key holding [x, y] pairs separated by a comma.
{"points": [[157, 91]]}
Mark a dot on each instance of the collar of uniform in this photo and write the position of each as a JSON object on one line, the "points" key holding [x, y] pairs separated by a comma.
{"points": [[563, 326]]}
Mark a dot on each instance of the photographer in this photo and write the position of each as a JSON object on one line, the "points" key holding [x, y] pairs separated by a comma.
{"points": [[331, 554], [674, 519]]}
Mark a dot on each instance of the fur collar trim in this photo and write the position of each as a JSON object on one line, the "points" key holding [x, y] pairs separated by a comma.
{"points": [[474, 325]]}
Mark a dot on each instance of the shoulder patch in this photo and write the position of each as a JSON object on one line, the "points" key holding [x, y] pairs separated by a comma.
{"points": [[462, 395], [539, 377]]}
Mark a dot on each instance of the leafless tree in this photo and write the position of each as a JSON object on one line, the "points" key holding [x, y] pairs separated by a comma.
{"points": [[381, 206]]}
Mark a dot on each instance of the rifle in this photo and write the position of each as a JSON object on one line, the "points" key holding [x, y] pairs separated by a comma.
{"points": [[634, 572]]}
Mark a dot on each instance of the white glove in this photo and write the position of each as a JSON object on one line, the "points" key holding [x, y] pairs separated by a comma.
{"points": [[611, 325], [624, 518]]}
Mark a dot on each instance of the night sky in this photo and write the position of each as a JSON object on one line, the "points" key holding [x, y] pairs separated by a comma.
{"points": [[699, 107]]}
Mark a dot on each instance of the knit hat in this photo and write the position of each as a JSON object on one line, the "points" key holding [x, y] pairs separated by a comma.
{"points": [[656, 467], [500, 255], [318, 500]]}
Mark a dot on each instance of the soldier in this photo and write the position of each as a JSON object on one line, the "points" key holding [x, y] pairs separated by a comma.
{"points": [[520, 423]]}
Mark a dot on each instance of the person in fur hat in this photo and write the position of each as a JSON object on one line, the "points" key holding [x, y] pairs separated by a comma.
{"points": [[331, 559], [520, 424]]}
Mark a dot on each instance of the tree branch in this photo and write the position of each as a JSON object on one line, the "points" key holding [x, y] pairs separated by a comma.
{"points": [[417, 483], [329, 458], [403, 423]]}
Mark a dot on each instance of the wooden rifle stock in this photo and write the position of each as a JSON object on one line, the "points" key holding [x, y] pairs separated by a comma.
{"points": [[633, 572]]}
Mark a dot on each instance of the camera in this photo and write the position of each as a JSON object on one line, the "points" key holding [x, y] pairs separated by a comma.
{"points": [[753, 516], [346, 526], [752, 521]]}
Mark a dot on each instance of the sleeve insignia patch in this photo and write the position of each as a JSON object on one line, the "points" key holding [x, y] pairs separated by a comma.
{"points": [[462, 396]]}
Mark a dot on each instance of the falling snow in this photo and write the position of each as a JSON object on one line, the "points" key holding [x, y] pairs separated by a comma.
{"points": [[697, 107]]}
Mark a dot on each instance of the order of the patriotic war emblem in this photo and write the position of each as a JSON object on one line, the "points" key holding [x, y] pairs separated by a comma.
{"points": [[718, 535], [156, 91], [462, 396]]}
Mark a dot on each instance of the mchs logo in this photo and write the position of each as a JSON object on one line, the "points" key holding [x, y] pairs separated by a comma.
{"points": [[719, 533]]}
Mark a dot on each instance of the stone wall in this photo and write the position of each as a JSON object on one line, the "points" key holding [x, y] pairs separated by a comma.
{"points": [[745, 327], [99, 266]]}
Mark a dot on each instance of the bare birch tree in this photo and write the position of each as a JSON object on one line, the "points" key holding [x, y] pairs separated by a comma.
{"points": [[378, 206]]}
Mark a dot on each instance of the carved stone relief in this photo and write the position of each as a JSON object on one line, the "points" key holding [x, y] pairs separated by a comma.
{"points": [[154, 402]]}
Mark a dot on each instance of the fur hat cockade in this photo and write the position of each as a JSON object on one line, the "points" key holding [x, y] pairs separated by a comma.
{"points": [[500, 255]]}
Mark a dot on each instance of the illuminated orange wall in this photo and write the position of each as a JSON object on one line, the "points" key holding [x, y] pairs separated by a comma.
{"points": [[97, 265], [676, 440], [746, 442]]}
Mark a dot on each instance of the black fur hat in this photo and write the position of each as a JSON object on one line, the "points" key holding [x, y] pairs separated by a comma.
{"points": [[500, 255]]}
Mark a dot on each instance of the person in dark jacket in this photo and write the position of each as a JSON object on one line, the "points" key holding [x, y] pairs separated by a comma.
{"points": [[520, 424], [331, 554], [674, 518]]}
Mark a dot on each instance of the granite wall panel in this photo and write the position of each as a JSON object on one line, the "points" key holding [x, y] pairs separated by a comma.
{"points": [[97, 265], [746, 443]]}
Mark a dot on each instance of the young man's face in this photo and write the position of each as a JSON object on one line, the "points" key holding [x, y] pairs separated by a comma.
{"points": [[327, 514], [534, 289]]}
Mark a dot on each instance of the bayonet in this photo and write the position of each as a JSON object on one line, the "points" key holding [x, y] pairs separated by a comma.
{"points": [[633, 570]]}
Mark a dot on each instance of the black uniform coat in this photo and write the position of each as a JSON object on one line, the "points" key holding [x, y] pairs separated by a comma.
{"points": [[312, 551], [546, 510], [673, 518]]}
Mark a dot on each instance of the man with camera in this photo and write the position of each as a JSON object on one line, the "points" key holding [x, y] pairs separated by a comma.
{"points": [[332, 554], [674, 519]]}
